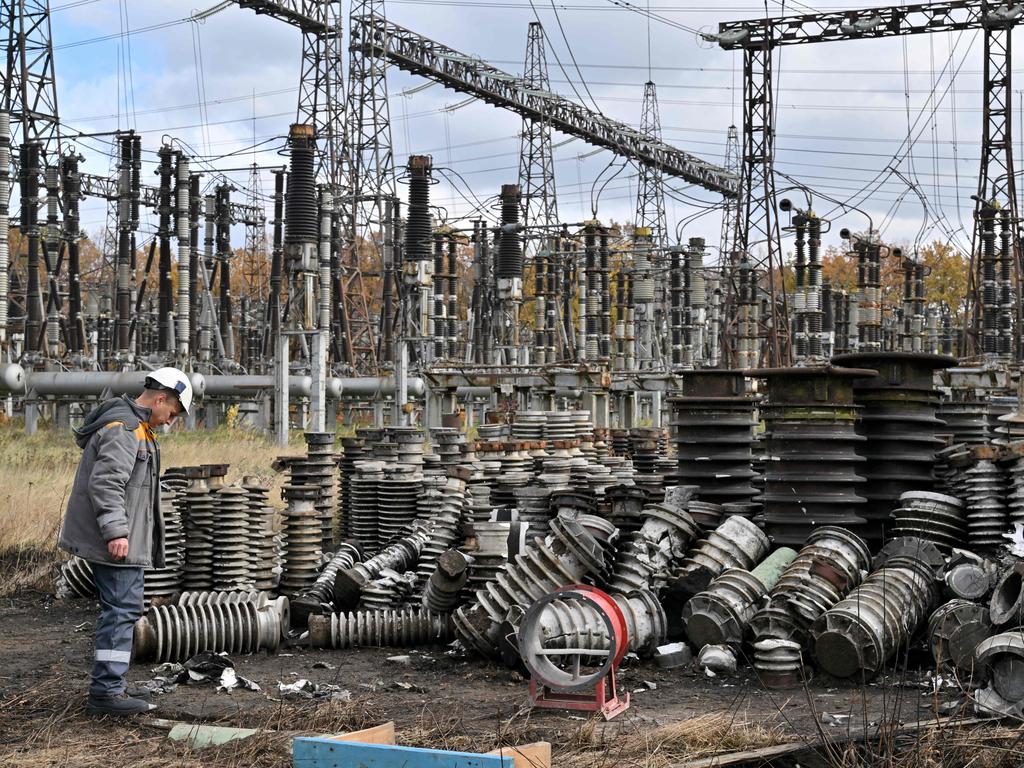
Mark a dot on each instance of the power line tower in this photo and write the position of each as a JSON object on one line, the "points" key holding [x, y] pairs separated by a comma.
{"points": [[650, 196], [29, 79], [257, 266], [727, 255], [995, 278], [539, 203], [373, 192], [758, 222], [323, 104], [322, 94], [648, 253], [536, 161]]}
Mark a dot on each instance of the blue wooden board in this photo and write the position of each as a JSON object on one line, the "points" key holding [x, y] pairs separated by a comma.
{"points": [[324, 753]]}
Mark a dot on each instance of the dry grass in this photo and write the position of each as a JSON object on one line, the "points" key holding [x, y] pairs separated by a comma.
{"points": [[43, 726], [979, 746], [633, 744], [39, 469]]}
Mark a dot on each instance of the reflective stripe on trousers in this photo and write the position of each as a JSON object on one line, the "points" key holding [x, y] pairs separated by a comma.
{"points": [[120, 591]]}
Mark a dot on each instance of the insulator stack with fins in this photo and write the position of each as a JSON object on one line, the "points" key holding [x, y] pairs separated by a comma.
{"points": [[509, 261], [302, 538], [811, 474], [863, 631], [898, 418], [394, 628], [177, 633], [301, 214], [565, 556], [418, 220], [712, 429]]}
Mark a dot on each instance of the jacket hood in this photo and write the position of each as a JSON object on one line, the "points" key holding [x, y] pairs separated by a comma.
{"points": [[121, 408]]}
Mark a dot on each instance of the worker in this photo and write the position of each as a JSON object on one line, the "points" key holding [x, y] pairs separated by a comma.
{"points": [[113, 520]]}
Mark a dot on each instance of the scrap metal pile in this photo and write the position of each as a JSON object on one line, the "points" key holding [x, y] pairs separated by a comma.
{"points": [[872, 516]]}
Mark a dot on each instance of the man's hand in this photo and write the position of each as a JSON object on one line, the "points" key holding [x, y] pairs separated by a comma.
{"points": [[118, 548]]}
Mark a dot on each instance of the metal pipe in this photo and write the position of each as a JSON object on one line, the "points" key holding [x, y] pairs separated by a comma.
{"points": [[81, 383], [5, 201]]}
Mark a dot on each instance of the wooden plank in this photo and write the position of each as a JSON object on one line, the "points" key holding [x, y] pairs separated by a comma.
{"points": [[536, 755], [379, 734], [327, 753]]}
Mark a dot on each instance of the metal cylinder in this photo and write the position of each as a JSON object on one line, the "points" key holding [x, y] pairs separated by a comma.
{"points": [[578, 625], [824, 570], [418, 218], [300, 203], [899, 419], [397, 628], [811, 474], [862, 632], [955, 630], [302, 539], [321, 594], [509, 260], [441, 593], [565, 556], [712, 429]]}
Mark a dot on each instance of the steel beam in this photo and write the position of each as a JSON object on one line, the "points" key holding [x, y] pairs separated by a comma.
{"points": [[412, 52]]}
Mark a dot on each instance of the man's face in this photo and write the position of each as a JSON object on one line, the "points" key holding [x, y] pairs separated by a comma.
{"points": [[165, 410]]}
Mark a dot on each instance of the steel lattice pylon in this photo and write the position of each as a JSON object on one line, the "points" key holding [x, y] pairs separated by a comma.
{"points": [[536, 160], [996, 186], [256, 281], [650, 196], [370, 148], [29, 79], [759, 37], [727, 243], [323, 103], [758, 222], [728, 251]]}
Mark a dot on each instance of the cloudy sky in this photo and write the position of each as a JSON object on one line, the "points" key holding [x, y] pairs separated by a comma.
{"points": [[229, 82]]}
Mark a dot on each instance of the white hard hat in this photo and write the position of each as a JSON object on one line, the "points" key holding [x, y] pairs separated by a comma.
{"points": [[176, 381]]}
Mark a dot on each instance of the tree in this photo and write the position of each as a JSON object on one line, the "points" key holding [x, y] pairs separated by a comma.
{"points": [[946, 276]]}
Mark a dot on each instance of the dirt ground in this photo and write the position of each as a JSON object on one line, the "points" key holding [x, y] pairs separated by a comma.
{"points": [[436, 698]]}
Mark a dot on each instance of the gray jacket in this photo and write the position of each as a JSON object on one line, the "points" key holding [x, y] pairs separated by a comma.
{"points": [[116, 493]]}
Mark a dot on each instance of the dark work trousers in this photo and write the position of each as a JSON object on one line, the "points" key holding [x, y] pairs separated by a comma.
{"points": [[120, 591]]}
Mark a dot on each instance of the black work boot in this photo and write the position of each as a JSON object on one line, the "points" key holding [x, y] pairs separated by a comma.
{"points": [[119, 705]]}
